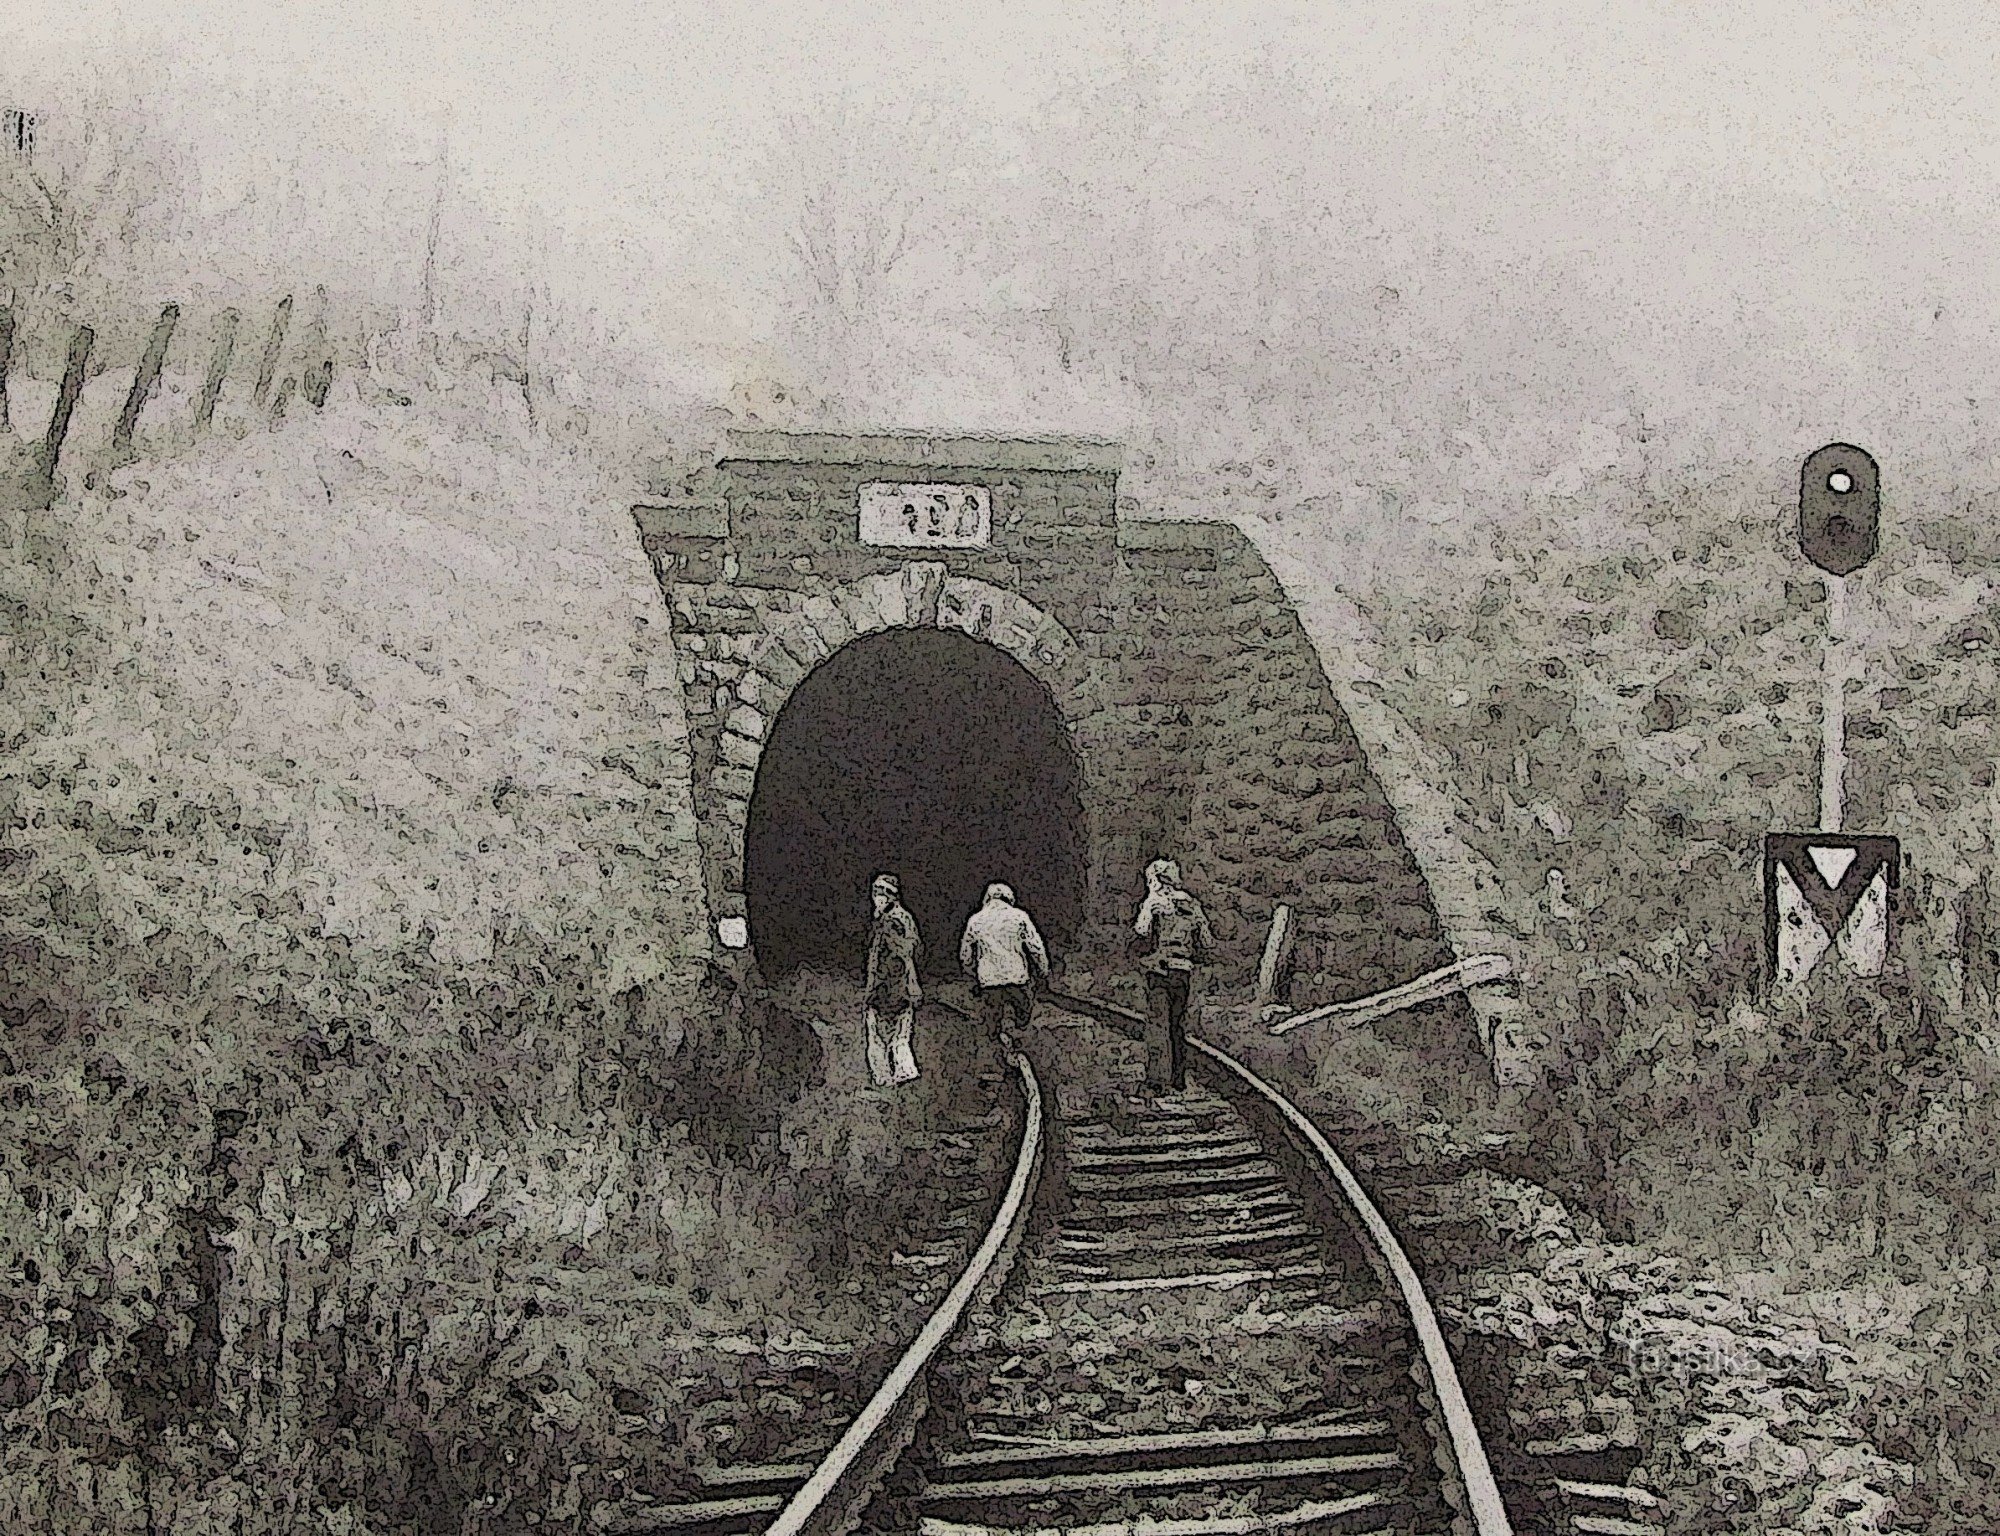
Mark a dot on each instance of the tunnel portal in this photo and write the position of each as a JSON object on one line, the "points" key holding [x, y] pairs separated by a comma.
{"points": [[957, 659], [927, 754]]}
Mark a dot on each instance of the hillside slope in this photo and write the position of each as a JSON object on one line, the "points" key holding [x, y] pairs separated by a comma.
{"points": [[346, 876], [397, 677]]}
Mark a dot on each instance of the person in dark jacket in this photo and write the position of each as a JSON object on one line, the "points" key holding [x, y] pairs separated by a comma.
{"points": [[1179, 936], [892, 992]]}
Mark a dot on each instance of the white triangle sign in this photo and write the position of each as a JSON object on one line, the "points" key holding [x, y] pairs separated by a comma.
{"points": [[1863, 940], [1802, 939], [1812, 911]]}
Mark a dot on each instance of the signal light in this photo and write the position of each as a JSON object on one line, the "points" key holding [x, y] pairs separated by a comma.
{"points": [[1840, 508]]}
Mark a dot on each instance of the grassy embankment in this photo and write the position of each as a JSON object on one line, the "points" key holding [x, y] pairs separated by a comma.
{"points": [[364, 1157], [1773, 1220]]}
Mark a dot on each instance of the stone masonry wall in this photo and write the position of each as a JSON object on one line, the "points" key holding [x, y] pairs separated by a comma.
{"points": [[1261, 772]]}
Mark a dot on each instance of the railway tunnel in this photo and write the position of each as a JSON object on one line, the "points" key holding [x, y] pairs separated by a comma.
{"points": [[927, 754], [965, 659]]}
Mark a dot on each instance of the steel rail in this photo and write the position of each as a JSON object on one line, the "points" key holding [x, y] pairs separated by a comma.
{"points": [[1461, 1441], [833, 1498], [1466, 1450]]}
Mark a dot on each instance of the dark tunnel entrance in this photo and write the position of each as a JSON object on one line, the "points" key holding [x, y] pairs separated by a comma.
{"points": [[926, 754]]}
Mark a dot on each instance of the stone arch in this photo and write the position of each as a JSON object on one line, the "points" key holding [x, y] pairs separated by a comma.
{"points": [[790, 644]]}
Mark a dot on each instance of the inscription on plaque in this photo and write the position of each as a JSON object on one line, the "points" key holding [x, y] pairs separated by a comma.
{"points": [[926, 516]]}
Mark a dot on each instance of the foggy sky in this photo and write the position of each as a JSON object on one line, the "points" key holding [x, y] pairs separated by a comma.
{"points": [[581, 103], [1776, 201]]}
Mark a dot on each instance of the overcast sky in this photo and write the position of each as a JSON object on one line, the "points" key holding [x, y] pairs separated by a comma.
{"points": [[581, 99], [1780, 173], [583, 103]]}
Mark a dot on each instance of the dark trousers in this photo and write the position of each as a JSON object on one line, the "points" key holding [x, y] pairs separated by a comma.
{"points": [[1166, 1004], [999, 1006]]}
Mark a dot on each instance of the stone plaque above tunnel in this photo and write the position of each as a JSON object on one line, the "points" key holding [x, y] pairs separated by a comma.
{"points": [[813, 510], [925, 516]]}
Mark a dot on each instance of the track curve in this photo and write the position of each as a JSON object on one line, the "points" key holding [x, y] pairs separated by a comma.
{"points": [[1203, 1335], [1185, 1318]]}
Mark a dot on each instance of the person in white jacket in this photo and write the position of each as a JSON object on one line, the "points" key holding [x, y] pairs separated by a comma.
{"points": [[1004, 952]]}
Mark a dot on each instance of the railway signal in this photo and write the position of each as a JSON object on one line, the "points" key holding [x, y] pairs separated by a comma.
{"points": [[1840, 508], [1825, 893]]}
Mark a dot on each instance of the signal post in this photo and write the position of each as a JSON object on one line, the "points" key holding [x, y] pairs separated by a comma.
{"points": [[1827, 893]]}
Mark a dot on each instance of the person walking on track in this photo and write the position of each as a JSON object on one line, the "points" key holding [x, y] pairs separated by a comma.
{"points": [[892, 992], [1178, 928], [999, 947]]}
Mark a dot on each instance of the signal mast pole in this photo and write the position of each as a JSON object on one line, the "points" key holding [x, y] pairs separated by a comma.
{"points": [[1839, 512], [1833, 706], [1827, 892]]}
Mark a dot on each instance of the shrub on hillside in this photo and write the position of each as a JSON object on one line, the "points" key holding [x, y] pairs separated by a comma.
{"points": [[346, 875]]}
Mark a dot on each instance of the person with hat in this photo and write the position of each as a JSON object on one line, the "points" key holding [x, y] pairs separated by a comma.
{"points": [[892, 992]]}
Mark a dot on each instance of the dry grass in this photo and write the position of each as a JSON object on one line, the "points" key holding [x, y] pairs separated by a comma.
{"points": [[349, 1182]]}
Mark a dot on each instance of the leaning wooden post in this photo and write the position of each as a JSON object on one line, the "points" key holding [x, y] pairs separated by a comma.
{"points": [[50, 452], [218, 370], [143, 383], [268, 369], [1277, 951], [6, 359], [1432, 986]]}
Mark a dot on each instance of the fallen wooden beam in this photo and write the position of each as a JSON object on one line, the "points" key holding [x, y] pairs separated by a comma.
{"points": [[1479, 971]]}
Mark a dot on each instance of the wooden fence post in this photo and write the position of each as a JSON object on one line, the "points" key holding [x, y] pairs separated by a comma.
{"points": [[6, 360], [143, 383], [268, 369], [319, 382], [50, 452], [218, 370], [317, 377]]}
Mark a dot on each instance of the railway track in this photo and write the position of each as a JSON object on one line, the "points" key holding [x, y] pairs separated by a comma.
{"points": [[1185, 1318]]}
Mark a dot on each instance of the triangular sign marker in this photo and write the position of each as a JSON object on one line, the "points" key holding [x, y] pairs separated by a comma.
{"points": [[1827, 894]]}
